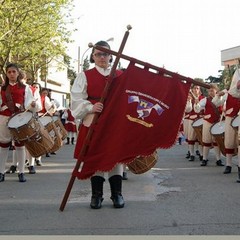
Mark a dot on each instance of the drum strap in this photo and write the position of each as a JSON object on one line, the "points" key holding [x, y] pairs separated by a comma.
{"points": [[10, 104]]}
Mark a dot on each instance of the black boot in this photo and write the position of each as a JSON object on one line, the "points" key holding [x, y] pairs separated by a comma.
{"points": [[238, 180], [188, 155], [116, 191], [192, 158], [227, 170], [204, 162], [97, 192], [12, 169], [219, 163], [68, 140], [72, 141], [124, 177], [2, 177], [21, 177], [200, 157]]}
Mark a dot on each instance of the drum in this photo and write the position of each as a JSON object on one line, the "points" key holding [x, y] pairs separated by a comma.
{"points": [[143, 164], [197, 126], [49, 125], [217, 130], [61, 129], [235, 123], [39, 144], [23, 126]]}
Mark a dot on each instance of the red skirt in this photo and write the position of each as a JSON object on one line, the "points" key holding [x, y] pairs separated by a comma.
{"points": [[83, 131], [70, 127]]}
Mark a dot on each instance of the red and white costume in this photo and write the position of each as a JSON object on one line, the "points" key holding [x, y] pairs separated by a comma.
{"points": [[210, 116], [22, 98], [191, 134], [231, 104], [86, 91]]}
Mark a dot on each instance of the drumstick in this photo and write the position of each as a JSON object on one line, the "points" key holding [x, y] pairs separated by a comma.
{"points": [[29, 107], [195, 97], [221, 118]]}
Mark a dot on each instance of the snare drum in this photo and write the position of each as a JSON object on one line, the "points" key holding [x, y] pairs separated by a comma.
{"points": [[217, 130], [198, 126], [143, 164], [235, 122], [61, 129], [49, 125], [40, 144], [23, 126]]}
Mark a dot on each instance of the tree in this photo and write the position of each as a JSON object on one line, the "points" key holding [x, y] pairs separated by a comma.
{"points": [[32, 32]]}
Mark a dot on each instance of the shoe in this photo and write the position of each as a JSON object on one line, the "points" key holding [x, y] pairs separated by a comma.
{"points": [[238, 180], [200, 158], [12, 169], [38, 162], [118, 201], [96, 202], [204, 163], [21, 177], [227, 170], [124, 176], [53, 153], [197, 153], [192, 158], [219, 163], [2, 177], [31, 170], [188, 155], [47, 155]]}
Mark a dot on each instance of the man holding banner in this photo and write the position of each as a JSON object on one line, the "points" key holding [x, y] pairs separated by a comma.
{"points": [[85, 96]]}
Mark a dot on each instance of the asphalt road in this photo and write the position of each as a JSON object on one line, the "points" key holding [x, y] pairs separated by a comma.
{"points": [[176, 197]]}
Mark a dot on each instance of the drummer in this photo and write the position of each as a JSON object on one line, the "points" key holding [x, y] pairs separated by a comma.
{"points": [[15, 98], [191, 134], [29, 159], [230, 100], [36, 89], [210, 116], [48, 108]]}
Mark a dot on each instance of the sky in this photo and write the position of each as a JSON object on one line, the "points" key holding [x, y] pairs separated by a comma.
{"points": [[184, 36]]}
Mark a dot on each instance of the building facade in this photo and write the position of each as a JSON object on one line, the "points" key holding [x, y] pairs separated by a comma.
{"points": [[57, 81], [230, 56]]}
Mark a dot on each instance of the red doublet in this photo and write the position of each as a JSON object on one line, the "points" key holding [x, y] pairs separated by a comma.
{"points": [[234, 103], [17, 94], [212, 111], [95, 85]]}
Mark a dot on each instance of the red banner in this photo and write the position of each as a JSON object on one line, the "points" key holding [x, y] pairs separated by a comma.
{"points": [[142, 112]]}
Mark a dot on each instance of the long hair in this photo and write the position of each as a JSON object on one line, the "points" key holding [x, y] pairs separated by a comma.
{"points": [[12, 65], [40, 87]]}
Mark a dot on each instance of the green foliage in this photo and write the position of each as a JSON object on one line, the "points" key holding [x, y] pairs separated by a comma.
{"points": [[32, 32]]}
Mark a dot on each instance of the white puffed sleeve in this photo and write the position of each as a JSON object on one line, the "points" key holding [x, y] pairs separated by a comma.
{"points": [[37, 98], [220, 100], [188, 107], [200, 105], [233, 90], [28, 98], [80, 106]]}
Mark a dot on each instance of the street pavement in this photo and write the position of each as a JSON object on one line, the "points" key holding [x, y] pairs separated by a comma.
{"points": [[176, 197]]}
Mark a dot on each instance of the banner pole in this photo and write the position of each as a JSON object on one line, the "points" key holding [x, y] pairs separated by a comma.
{"points": [[96, 116]]}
